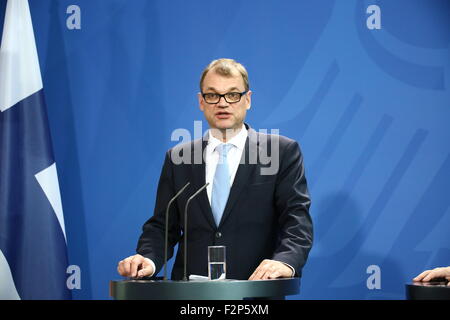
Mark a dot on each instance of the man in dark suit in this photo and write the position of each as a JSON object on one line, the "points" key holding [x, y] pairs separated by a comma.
{"points": [[257, 202]]}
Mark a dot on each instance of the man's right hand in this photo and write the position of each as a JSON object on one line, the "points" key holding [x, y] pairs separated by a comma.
{"points": [[135, 266]]}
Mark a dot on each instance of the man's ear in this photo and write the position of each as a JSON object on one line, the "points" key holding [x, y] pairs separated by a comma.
{"points": [[200, 102], [248, 96]]}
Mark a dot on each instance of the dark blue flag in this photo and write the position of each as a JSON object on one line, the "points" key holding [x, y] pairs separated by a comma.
{"points": [[33, 250]]}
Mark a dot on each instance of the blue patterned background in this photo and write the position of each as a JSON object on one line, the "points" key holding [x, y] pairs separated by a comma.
{"points": [[369, 107]]}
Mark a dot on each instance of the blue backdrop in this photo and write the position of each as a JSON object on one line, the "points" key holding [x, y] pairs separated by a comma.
{"points": [[365, 91]]}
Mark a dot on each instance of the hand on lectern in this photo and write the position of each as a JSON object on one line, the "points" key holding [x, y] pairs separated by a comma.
{"points": [[271, 269], [135, 266], [436, 273]]}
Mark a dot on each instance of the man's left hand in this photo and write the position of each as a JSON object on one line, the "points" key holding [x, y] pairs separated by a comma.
{"points": [[271, 269]]}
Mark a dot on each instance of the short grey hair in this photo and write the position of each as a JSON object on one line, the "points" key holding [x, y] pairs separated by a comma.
{"points": [[227, 68]]}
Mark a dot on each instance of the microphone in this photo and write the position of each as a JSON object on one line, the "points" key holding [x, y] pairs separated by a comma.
{"points": [[185, 229], [166, 242]]}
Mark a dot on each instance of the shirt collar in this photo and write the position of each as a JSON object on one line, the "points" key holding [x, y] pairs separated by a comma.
{"points": [[237, 141]]}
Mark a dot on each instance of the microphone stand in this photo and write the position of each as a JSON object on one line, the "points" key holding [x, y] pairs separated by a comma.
{"points": [[166, 240], [185, 229]]}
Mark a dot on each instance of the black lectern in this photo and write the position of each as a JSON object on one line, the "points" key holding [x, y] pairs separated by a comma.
{"points": [[428, 291], [202, 290]]}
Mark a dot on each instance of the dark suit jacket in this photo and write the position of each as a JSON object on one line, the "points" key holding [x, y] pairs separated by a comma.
{"points": [[266, 216]]}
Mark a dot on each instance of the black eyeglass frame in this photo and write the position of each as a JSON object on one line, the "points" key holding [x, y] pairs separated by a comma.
{"points": [[224, 96]]}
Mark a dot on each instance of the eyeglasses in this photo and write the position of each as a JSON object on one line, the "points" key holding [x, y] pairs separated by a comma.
{"points": [[230, 97]]}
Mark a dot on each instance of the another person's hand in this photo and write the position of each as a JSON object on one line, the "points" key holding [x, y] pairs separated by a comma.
{"points": [[135, 266], [271, 269], [429, 275]]}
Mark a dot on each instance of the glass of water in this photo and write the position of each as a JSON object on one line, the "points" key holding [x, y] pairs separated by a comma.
{"points": [[217, 265]]}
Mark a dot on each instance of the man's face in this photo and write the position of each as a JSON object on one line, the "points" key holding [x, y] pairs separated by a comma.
{"points": [[223, 115]]}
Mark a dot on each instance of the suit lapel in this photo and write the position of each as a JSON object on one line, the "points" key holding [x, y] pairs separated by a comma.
{"points": [[199, 180], [246, 168]]}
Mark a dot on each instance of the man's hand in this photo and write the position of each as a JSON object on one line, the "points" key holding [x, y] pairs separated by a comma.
{"points": [[135, 266], [271, 269], [429, 275]]}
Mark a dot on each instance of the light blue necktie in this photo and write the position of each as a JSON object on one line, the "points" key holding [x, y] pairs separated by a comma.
{"points": [[221, 183]]}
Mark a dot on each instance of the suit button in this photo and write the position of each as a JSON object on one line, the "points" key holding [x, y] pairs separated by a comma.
{"points": [[218, 235]]}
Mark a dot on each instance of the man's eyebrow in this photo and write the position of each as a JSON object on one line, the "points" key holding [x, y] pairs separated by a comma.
{"points": [[232, 89]]}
